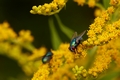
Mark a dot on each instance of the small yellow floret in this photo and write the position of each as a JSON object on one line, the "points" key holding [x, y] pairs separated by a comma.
{"points": [[80, 2]]}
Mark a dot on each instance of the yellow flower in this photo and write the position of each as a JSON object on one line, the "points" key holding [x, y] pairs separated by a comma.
{"points": [[38, 53], [103, 58], [101, 31], [25, 36], [116, 53], [104, 34], [6, 33], [111, 9], [42, 73], [62, 73], [60, 62], [29, 63], [91, 3], [80, 51], [49, 9], [80, 2], [79, 71], [61, 56], [114, 2], [97, 12]]}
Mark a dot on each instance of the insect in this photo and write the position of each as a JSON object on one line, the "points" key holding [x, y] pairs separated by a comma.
{"points": [[75, 41], [47, 57]]}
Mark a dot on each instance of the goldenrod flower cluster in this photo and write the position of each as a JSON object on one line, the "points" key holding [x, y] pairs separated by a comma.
{"points": [[79, 71], [95, 55], [104, 57], [102, 42], [6, 32], [91, 3], [104, 33], [80, 2], [49, 9], [25, 36], [98, 12], [114, 2], [42, 73], [62, 60], [60, 63], [103, 30], [12, 45]]}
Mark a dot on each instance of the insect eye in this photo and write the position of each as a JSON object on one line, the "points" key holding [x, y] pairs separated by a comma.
{"points": [[73, 48]]}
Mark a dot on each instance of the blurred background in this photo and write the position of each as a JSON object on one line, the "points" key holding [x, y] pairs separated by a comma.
{"points": [[17, 14]]}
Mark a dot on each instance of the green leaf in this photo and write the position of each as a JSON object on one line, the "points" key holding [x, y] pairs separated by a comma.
{"points": [[111, 76], [91, 54], [106, 3], [67, 31], [54, 35]]}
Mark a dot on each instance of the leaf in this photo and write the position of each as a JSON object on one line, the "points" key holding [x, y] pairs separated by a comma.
{"points": [[111, 76], [106, 3], [54, 35], [63, 28]]}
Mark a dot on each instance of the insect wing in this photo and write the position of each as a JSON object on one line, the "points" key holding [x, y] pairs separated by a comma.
{"points": [[49, 54], [80, 36], [45, 59], [74, 35]]}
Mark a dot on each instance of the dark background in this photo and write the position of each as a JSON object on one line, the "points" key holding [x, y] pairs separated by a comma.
{"points": [[17, 13]]}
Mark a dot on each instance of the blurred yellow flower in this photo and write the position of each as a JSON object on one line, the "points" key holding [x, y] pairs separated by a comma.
{"points": [[37, 53], [114, 2], [11, 45], [25, 36], [97, 12], [80, 2], [91, 3], [6, 32]]}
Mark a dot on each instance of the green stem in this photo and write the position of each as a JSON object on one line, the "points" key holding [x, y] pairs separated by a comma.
{"points": [[116, 15], [100, 6], [26, 45], [55, 37], [91, 54], [63, 28]]}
